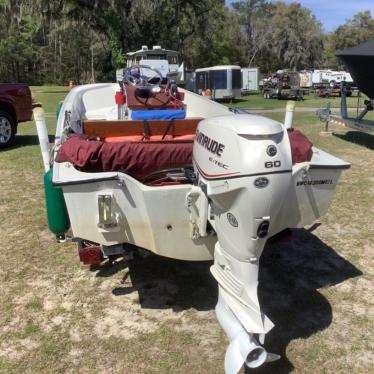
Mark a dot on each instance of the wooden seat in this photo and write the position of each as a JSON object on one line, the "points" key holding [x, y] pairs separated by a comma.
{"points": [[108, 128]]}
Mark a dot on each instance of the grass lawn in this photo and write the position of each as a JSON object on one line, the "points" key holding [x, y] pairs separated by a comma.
{"points": [[310, 101], [156, 315]]}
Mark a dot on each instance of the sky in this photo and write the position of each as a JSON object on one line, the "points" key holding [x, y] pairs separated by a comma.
{"points": [[333, 13]]}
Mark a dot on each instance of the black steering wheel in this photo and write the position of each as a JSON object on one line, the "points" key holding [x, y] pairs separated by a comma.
{"points": [[136, 76], [147, 86]]}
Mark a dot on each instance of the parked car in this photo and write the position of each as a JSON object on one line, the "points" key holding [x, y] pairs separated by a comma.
{"points": [[15, 107]]}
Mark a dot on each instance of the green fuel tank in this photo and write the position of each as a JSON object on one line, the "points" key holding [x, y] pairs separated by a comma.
{"points": [[57, 215]]}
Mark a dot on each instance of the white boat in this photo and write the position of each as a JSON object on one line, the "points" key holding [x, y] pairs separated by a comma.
{"points": [[231, 182], [164, 60]]}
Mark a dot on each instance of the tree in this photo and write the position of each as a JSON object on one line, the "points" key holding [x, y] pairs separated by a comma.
{"points": [[355, 31], [53, 41], [255, 30], [297, 36], [279, 35], [16, 38], [218, 44]]}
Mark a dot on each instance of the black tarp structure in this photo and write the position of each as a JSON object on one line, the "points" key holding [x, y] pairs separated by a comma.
{"points": [[360, 62]]}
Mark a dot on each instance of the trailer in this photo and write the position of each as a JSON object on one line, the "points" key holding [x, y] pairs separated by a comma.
{"points": [[333, 89], [223, 81], [321, 78], [284, 84], [250, 78], [360, 61]]}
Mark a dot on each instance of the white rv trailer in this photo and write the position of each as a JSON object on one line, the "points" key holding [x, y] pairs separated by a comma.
{"points": [[330, 76], [224, 81], [250, 79]]}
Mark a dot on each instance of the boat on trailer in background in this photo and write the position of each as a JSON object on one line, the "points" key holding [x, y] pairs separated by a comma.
{"points": [[158, 167], [164, 60], [360, 63]]}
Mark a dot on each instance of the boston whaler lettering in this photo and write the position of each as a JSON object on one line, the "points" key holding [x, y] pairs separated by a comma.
{"points": [[182, 176]]}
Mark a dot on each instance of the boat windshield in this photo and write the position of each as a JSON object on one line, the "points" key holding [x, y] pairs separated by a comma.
{"points": [[172, 59]]}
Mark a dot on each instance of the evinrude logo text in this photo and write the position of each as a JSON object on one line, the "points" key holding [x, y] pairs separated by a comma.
{"points": [[313, 183], [210, 144]]}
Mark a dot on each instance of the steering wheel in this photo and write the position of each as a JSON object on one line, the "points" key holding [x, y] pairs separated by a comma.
{"points": [[133, 76], [149, 90]]}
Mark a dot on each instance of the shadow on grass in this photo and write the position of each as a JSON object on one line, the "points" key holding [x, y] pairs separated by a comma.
{"points": [[25, 140], [290, 276], [164, 283], [359, 138]]}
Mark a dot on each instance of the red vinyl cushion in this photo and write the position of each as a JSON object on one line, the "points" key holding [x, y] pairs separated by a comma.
{"points": [[140, 158], [136, 158], [301, 147]]}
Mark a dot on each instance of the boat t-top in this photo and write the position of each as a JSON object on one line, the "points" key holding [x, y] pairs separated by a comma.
{"points": [[164, 60]]}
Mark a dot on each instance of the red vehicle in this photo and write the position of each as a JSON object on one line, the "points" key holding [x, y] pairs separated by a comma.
{"points": [[15, 107]]}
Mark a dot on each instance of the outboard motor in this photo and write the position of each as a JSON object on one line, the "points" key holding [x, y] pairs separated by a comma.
{"points": [[243, 163]]}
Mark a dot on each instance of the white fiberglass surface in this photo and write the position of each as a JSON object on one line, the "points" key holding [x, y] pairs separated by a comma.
{"points": [[97, 101], [322, 158]]}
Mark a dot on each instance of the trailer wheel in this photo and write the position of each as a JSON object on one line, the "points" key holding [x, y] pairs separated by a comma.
{"points": [[7, 129]]}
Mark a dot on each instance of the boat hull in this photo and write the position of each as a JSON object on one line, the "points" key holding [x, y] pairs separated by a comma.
{"points": [[154, 218], [157, 219], [360, 62]]}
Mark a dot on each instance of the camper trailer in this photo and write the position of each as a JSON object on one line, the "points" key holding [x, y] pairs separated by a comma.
{"points": [[224, 82], [250, 77], [323, 77]]}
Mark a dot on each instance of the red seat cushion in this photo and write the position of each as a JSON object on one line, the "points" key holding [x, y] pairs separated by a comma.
{"points": [[140, 158], [301, 147], [136, 158]]}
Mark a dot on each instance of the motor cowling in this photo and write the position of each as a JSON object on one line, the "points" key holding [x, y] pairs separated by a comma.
{"points": [[245, 162]]}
